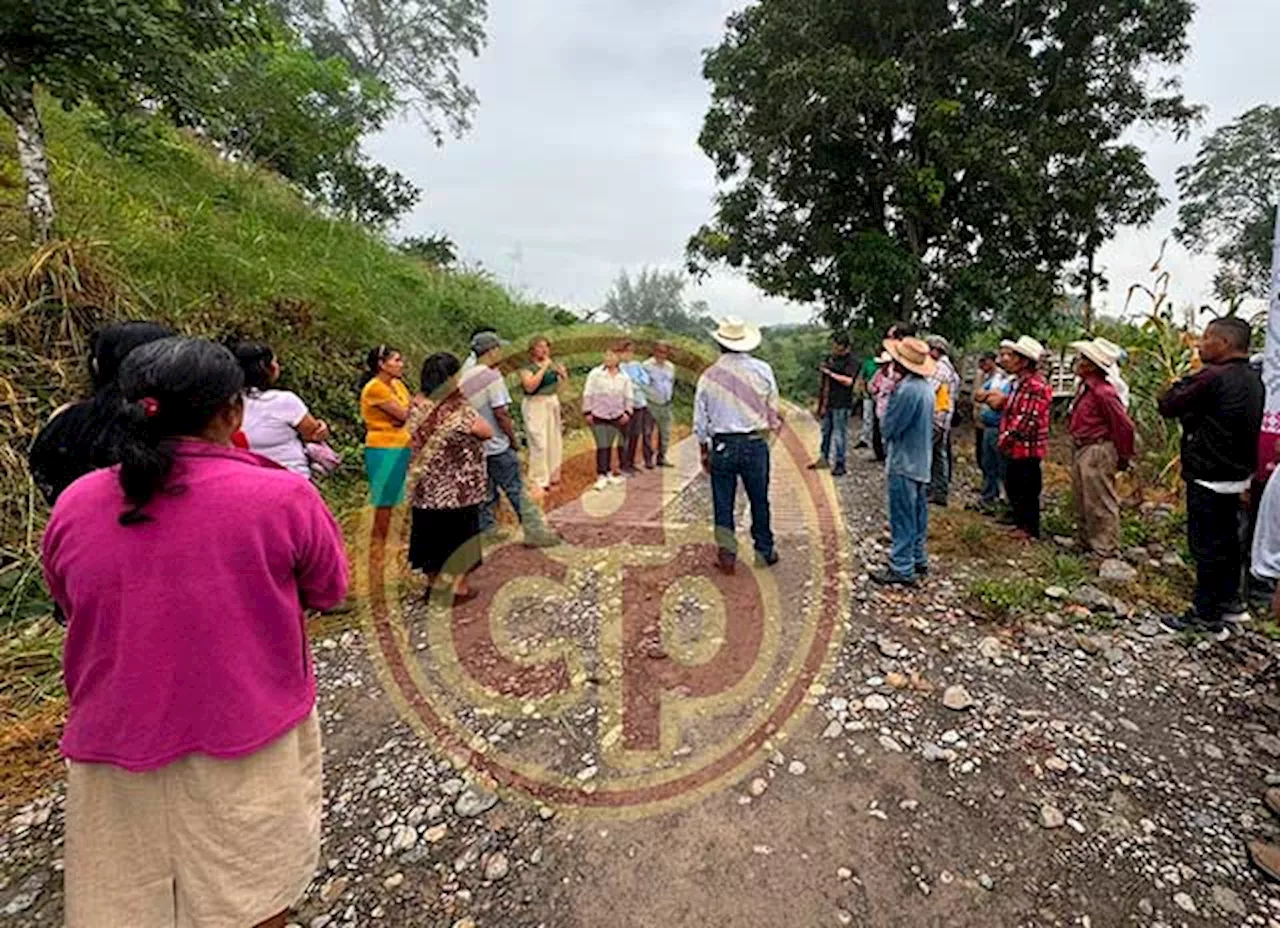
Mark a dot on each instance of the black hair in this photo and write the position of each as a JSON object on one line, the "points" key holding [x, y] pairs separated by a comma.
{"points": [[85, 436], [840, 338], [109, 346], [437, 370], [171, 388], [988, 356], [373, 361], [255, 360], [1237, 333]]}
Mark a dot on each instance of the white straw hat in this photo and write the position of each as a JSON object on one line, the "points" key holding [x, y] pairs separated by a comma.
{"points": [[737, 335], [1103, 355], [1026, 346]]}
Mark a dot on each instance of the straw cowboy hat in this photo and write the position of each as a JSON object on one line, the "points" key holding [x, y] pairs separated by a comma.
{"points": [[737, 335], [913, 354], [1101, 354], [1026, 346]]}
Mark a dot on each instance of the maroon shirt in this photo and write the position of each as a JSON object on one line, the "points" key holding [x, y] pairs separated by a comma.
{"points": [[1098, 415]]}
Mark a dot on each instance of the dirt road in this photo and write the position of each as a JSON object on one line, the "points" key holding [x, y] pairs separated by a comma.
{"points": [[1072, 768]]}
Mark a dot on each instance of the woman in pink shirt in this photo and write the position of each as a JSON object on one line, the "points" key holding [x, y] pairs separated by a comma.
{"points": [[193, 785]]}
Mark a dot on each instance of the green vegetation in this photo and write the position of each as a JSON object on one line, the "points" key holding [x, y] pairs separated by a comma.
{"points": [[868, 167], [1002, 597], [175, 233]]}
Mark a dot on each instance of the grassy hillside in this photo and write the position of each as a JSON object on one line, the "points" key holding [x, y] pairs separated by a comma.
{"points": [[155, 225], [216, 248]]}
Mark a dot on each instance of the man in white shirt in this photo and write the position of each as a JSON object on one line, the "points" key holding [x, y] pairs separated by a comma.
{"points": [[486, 391], [660, 392], [735, 410]]}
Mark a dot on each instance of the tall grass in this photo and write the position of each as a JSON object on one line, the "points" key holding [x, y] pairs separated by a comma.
{"points": [[167, 230]]}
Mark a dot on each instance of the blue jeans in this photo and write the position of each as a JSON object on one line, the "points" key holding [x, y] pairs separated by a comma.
{"points": [[835, 424], [504, 474], [992, 464], [908, 524], [745, 457]]}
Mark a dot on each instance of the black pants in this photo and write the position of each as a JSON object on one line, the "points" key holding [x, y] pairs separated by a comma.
{"points": [[1022, 482], [940, 484], [877, 440], [1213, 534], [638, 438]]}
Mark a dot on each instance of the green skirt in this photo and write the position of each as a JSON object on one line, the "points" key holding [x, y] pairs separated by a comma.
{"points": [[387, 469]]}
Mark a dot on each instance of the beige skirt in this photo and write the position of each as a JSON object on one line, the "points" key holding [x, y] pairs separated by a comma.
{"points": [[200, 843]]}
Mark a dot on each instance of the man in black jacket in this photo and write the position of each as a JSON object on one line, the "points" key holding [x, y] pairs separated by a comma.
{"points": [[1220, 408]]}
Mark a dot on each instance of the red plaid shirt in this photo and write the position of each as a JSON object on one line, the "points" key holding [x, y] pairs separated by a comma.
{"points": [[1024, 426]]}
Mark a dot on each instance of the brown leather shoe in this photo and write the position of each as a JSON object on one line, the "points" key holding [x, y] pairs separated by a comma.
{"points": [[1272, 799], [1266, 857]]}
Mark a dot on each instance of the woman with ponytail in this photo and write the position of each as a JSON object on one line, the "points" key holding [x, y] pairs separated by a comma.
{"points": [[193, 785], [384, 406]]}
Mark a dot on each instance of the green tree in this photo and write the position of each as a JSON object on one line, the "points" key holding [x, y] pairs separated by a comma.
{"points": [[937, 161], [437, 250], [303, 116], [411, 46], [655, 299], [116, 54], [1229, 196]]}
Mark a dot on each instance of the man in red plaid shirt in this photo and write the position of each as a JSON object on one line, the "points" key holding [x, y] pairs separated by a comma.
{"points": [[1024, 432]]}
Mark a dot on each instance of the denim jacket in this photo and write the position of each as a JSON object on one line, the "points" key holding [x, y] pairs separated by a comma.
{"points": [[907, 429]]}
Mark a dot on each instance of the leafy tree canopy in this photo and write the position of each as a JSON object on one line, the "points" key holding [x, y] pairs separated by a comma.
{"points": [[411, 46], [118, 54], [936, 160], [1229, 196], [279, 104]]}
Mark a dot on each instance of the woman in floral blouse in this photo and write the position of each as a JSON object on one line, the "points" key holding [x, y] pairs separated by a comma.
{"points": [[448, 479]]}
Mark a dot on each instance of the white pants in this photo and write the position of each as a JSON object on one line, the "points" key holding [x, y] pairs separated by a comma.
{"points": [[546, 447]]}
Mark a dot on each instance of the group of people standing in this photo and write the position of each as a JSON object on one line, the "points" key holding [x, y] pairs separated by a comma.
{"points": [[1013, 404], [912, 397]]}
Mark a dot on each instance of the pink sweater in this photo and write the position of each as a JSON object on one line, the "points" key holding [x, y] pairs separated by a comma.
{"points": [[185, 634]]}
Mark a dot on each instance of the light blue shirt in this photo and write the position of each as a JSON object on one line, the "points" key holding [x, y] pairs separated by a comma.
{"points": [[662, 381], [640, 378], [736, 395], [907, 429]]}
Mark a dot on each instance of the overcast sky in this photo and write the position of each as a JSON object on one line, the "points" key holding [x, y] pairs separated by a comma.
{"points": [[583, 158]]}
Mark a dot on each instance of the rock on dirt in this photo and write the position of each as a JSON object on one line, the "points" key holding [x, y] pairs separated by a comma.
{"points": [[1051, 816], [957, 698], [1113, 570]]}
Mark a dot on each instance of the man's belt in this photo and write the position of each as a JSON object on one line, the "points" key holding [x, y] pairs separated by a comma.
{"points": [[740, 436]]}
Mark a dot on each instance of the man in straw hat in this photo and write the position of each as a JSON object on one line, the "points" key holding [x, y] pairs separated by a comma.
{"points": [[1102, 443], [1024, 433], [1220, 408], [735, 410], [907, 427]]}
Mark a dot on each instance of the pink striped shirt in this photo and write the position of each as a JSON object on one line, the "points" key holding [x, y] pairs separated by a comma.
{"points": [[185, 634]]}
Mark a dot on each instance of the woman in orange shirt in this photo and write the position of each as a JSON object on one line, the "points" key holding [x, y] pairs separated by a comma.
{"points": [[384, 406]]}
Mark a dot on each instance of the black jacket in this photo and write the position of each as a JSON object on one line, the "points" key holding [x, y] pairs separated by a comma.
{"points": [[1220, 408]]}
